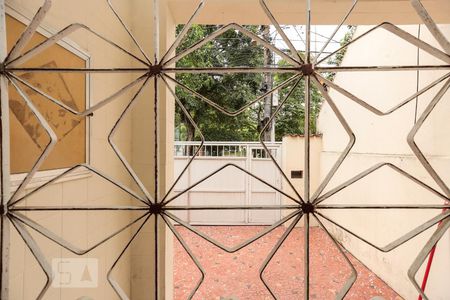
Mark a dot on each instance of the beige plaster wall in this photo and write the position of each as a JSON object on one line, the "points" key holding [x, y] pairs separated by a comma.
{"points": [[293, 158], [383, 139], [143, 154]]}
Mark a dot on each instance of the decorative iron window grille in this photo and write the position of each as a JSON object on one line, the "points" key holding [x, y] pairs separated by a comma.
{"points": [[305, 66]]}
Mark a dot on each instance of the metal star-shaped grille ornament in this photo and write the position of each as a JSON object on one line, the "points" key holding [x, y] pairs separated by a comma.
{"points": [[155, 205]]}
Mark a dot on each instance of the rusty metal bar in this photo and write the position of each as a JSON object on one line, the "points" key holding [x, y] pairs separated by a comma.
{"points": [[401, 34], [191, 120], [327, 69], [307, 147], [222, 30], [300, 199], [190, 253], [432, 242], [399, 241], [76, 208], [307, 150], [61, 35], [64, 243], [348, 147], [76, 70], [5, 162], [280, 31], [431, 25], [238, 246], [114, 284], [119, 185], [352, 7], [231, 207], [27, 34], [221, 169], [354, 275], [374, 109], [130, 34], [93, 108], [369, 171], [116, 149], [183, 32], [47, 149], [274, 250], [232, 70], [38, 255], [386, 206], [412, 143], [224, 110]]}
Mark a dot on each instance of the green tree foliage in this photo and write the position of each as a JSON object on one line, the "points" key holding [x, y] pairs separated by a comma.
{"points": [[339, 56], [231, 91], [291, 117]]}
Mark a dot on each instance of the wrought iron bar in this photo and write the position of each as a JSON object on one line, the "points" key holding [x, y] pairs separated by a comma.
{"points": [[348, 147], [431, 25], [418, 262], [280, 31], [27, 34], [238, 111], [354, 275], [5, 183], [61, 35], [183, 32], [202, 138], [47, 149], [37, 254], [240, 245], [412, 143], [352, 7], [114, 284], [327, 69], [374, 109], [372, 169], [399, 241], [116, 149], [130, 34], [274, 250], [401, 34], [300, 199], [158, 204]]}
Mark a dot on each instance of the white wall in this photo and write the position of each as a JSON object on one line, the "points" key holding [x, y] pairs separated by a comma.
{"points": [[383, 139]]}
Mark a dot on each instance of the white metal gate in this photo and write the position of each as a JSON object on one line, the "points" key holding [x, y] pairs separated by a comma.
{"points": [[231, 186]]}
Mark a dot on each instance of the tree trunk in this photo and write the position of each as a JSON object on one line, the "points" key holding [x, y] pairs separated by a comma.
{"points": [[267, 86], [190, 135]]}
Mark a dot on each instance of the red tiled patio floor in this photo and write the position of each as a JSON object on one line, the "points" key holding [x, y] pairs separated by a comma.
{"points": [[236, 275]]}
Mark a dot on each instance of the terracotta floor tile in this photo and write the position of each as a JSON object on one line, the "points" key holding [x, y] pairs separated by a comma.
{"points": [[236, 275]]}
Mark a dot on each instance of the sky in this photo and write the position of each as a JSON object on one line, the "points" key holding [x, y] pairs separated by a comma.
{"points": [[319, 36]]}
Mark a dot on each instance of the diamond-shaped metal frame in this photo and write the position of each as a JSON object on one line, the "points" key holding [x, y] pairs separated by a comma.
{"points": [[304, 66]]}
